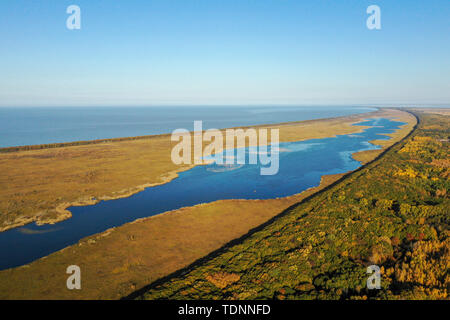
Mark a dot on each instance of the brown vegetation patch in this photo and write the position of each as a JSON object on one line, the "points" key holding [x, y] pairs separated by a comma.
{"points": [[123, 259], [222, 279]]}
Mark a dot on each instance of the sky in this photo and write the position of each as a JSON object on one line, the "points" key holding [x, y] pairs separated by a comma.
{"points": [[193, 52]]}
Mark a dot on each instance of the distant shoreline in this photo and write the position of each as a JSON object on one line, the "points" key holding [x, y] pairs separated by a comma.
{"points": [[56, 211], [152, 136], [248, 215]]}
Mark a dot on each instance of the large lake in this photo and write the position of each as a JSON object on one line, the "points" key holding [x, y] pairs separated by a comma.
{"points": [[27, 126], [301, 166]]}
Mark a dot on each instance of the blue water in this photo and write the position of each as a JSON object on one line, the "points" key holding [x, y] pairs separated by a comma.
{"points": [[28, 126], [301, 166]]}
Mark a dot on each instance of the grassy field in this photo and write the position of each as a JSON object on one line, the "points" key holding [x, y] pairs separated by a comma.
{"points": [[392, 213], [123, 259], [441, 111], [38, 185]]}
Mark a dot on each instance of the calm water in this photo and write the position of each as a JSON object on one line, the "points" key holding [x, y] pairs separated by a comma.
{"points": [[301, 166], [27, 126]]}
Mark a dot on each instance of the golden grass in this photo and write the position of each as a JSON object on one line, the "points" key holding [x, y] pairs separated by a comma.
{"points": [[367, 156], [38, 185], [123, 259], [120, 260], [440, 111]]}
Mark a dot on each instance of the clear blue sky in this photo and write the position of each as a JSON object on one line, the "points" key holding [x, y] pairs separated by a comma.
{"points": [[224, 52]]}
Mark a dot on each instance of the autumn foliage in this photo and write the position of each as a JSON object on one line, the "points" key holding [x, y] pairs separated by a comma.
{"points": [[394, 213]]}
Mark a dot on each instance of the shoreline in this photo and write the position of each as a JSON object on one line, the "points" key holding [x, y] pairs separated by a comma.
{"points": [[88, 242], [355, 229], [61, 208], [132, 138], [159, 262], [323, 183]]}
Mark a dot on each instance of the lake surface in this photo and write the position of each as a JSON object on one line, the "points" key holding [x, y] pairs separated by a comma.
{"points": [[301, 166], [28, 126]]}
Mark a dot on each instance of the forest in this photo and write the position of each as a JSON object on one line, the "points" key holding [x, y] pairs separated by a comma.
{"points": [[393, 213]]}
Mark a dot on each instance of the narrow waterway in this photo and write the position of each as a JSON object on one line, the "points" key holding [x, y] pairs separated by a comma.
{"points": [[301, 166]]}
